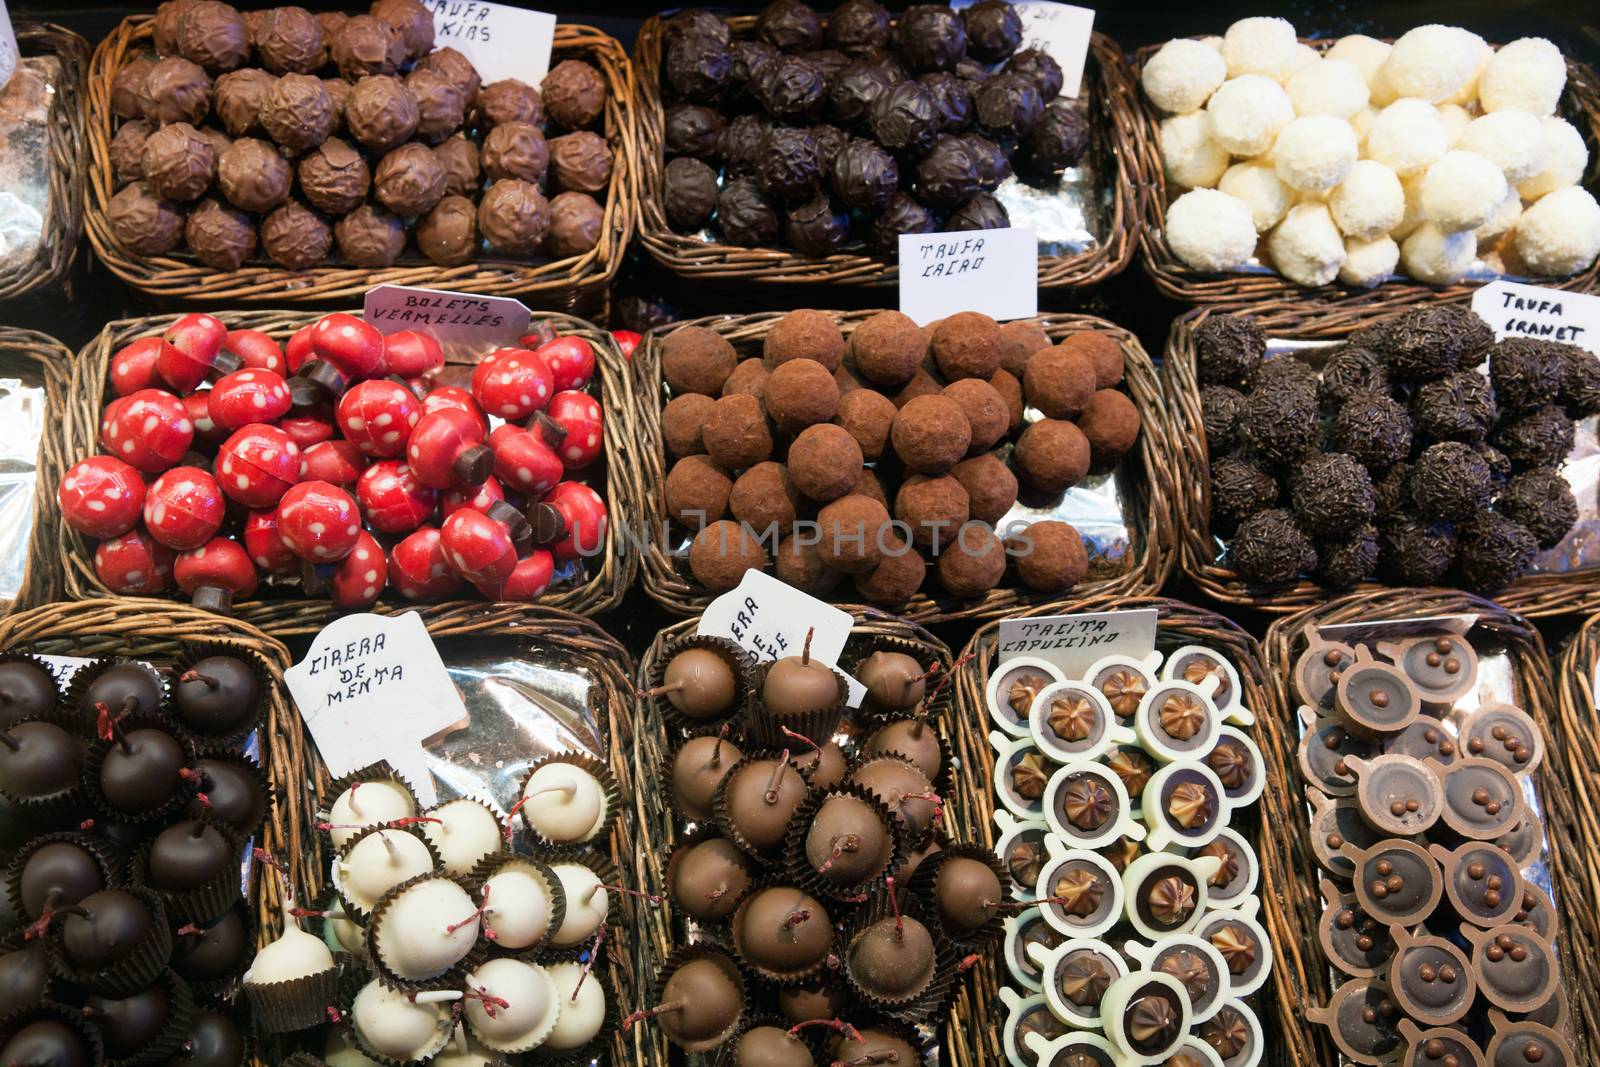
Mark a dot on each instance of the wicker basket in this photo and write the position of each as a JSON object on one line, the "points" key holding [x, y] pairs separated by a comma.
{"points": [[1574, 738], [35, 357], [577, 283], [63, 215], [296, 614], [657, 829], [1177, 623], [1533, 595], [1112, 120], [1580, 104], [1152, 515], [1294, 905]]}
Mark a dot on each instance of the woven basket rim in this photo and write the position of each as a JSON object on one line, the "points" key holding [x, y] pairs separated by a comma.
{"points": [[1153, 524], [1107, 77], [1183, 283], [42, 575], [574, 281], [1575, 737]]}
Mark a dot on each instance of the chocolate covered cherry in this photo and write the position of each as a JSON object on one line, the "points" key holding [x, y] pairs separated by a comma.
{"points": [[46, 1043], [214, 574], [247, 396], [217, 695], [38, 760], [319, 522], [512, 383], [101, 497], [27, 689], [183, 508], [142, 770], [377, 416], [134, 564], [149, 429], [257, 465], [105, 928], [187, 855]]}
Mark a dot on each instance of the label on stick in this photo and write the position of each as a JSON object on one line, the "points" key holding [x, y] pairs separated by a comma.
{"points": [[769, 619], [1516, 310], [1063, 32], [464, 324]]}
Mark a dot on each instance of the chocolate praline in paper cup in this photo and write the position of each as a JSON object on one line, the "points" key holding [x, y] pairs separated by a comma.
{"points": [[228, 740], [380, 948], [510, 940], [136, 969], [815, 924], [930, 879], [600, 832], [745, 682], [801, 861]]}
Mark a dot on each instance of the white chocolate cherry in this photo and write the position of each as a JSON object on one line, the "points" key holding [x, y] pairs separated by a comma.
{"points": [[425, 929], [402, 1026], [341, 933], [582, 1001], [339, 1052], [465, 833], [295, 954], [367, 804], [511, 1005], [564, 804], [517, 905], [587, 903], [379, 862]]}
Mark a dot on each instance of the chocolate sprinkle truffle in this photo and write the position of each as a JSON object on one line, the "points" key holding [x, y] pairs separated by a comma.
{"points": [[1542, 501], [1491, 550], [1269, 549], [1228, 349]]}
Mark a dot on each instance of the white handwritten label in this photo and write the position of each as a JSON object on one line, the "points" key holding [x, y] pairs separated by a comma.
{"points": [[769, 620], [1062, 31], [502, 41], [1516, 310], [373, 688], [63, 667], [992, 271], [1073, 642], [464, 324]]}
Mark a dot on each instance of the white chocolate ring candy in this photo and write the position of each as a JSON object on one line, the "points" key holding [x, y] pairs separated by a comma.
{"points": [[1087, 804], [1236, 761], [1072, 721], [1176, 895], [1087, 888], [1184, 805], [1146, 1016], [1015, 683], [511, 1005], [1123, 680], [368, 803], [583, 1008], [1076, 975], [1195, 663], [1019, 769], [1021, 930], [1056, 1050], [467, 832], [402, 1026], [1231, 848], [1015, 834], [1192, 960], [1234, 1026], [1025, 1017], [1177, 720], [1242, 942]]}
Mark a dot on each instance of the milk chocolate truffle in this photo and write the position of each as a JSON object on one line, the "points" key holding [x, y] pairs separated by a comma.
{"points": [[513, 216], [333, 177], [177, 162], [381, 113], [332, 22], [127, 150], [220, 236], [143, 223], [339, 92], [574, 94], [297, 112], [462, 174], [819, 227], [365, 45], [237, 98], [413, 21], [973, 563], [508, 100], [128, 98], [581, 161], [689, 188], [289, 40], [448, 235], [212, 34], [722, 552], [455, 67], [296, 237], [825, 461], [409, 180], [253, 176], [575, 222], [1111, 424], [441, 105], [931, 434], [800, 393], [177, 91], [370, 237], [515, 150]]}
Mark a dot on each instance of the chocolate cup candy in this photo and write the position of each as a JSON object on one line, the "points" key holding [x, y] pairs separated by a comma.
{"points": [[1076, 974], [1526, 1044], [1425, 738], [1432, 979], [1362, 1018], [1027, 1019], [1021, 931], [1335, 823], [1444, 667], [1123, 680], [1524, 840], [1184, 805], [1505, 734], [1166, 894], [1011, 689], [1021, 849], [1482, 800], [1398, 795], [1176, 720], [1396, 881], [1236, 761], [1089, 891], [1191, 959], [1353, 941], [1324, 750], [1147, 1014], [1239, 870], [1087, 805], [1243, 944], [1438, 1045], [1374, 698], [1072, 721], [1517, 969], [1481, 881], [1078, 1048], [1536, 911], [1021, 775], [1316, 671], [1196, 663]]}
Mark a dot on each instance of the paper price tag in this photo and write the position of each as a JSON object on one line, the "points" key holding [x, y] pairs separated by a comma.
{"points": [[769, 620], [1516, 310], [1073, 642], [502, 41], [992, 271], [464, 324], [63, 667], [373, 688], [1062, 31]]}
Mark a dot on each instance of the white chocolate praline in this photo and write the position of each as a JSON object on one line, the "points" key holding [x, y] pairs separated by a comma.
{"points": [[1567, 157], [582, 1015], [1247, 112], [1430, 254], [399, 1025], [367, 804], [1188, 154], [463, 1051], [1306, 247], [525, 1007], [1559, 234], [1328, 87], [1368, 54], [1210, 230], [1514, 141], [1456, 119], [587, 904], [1461, 191], [517, 906], [425, 929], [1261, 45], [1258, 186], [1502, 221], [345, 934], [1527, 74], [465, 833], [337, 1051], [1434, 62], [1369, 202], [1368, 263], [1407, 136], [1315, 152], [379, 862], [294, 954], [1182, 75], [565, 804]]}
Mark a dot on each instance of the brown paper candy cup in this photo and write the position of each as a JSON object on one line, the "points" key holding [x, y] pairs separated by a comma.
{"points": [[95, 760], [803, 872], [799, 976], [937, 699], [85, 716], [195, 651], [137, 968], [744, 683], [107, 855], [918, 1004], [767, 726], [488, 867], [298, 1004], [450, 976], [59, 1013], [377, 772]]}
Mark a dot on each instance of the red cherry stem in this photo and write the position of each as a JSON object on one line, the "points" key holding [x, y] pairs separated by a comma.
{"points": [[475, 916], [511, 819], [333, 1014], [189, 775], [483, 901], [650, 898], [187, 930], [894, 902], [932, 798], [836, 1025], [847, 843], [949, 674], [716, 749], [805, 649], [650, 1013], [412, 820], [777, 777], [193, 675], [10, 742], [795, 918], [969, 962], [802, 738], [308, 913], [660, 690], [490, 1002], [588, 964]]}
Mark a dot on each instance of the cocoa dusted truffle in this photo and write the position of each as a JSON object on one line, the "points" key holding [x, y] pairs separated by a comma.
{"points": [[697, 491], [824, 461], [1280, 420], [1269, 549], [736, 434], [297, 112], [973, 563], [1540, 438], [764, 496], [1491, 551], [128, 99], [1343, 563], [290, 40], [177, 162], [513, 216], [699, 67], [851, 532], [366, 45], [1331, 495], [143, 223], [1228, 349], [933, 508], [902, 215], [1542, 501], [744, 217], [1060, 381], [864, 176], [237, 98], [868, 416], [515, 150], [800, 393], [931, 434], [859, 27], [409, 180], [213, 34], [381, 113], [993, 30], [1221, 409], [897, 577], [750, 376], [296, 237], [1010, 390], [177, 91], [575, 223], [220, 236], [370, 237], [1372, 427], [985, 410], [990, 485], [982, 212], [253, 176], [574, 94], [906, 118], [413, 21], [696, 360], [683, 422], [1457, 407], [448, 235], [1413, 552], [1019, 340], [1050, 556], [1239, 489], [441, 105], [463, 175], [888, 348], [689, 188], [1449, 482], [127, 150], [1111, 424], [796, 562], [455, 67], [804, 334], [722, 552], [819, 227]]}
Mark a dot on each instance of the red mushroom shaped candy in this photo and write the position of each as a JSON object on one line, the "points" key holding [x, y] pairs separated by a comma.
{"points": [[134, 367], [412, 354], [134, 564], [571, 521], [527, 581], [574, 426], [571, 361], [361, 575], [258, 350], [476, 497], [336, 461], [392, 499], [265, 547], [150, 429], [344, 350], [298, 348], [539, 334], [257, 465], [101, 497], [247, 396], [523, 462], [627, 342], [214, 574], [378, 415], [477, 547], [457, 398], [193, 352], [447, 449], [183, 508], [512, 383], [206, 432], [418, 569], [319, 522], [309, 425]]}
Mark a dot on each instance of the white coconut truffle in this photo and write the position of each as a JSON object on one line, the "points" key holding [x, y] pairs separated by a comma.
{"points": [[1367, 53], [1566, 158], [1315, 152], [1432, 255], [1257, 184], [1304, 56], [1433, 62], [1512, 140], [1407, 136], [1369, 202], [1526, 75], [1306, 247], [1504, 218], [1328, 87], [1261, 45], [1559, 234], [1210, 230], [1246, 114], [1182, 76], [1461, 191], [1413, 217], [1468, 93], [1212, 41], [1368, 263], [1361, 122], [1456, 119], [1189, 155]]}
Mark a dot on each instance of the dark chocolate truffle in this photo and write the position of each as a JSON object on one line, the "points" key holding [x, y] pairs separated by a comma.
{"points": [[1269, 549], [859, 27], [864, 176], [296, 237], [253, 176], [220, 236], [1039, 67], [860, 82], [441, 106], [289, 40], [1059, 140], [952, 97], [1331, 495], [1008, 107], [1539, 438], [1280, 420], [1239, 489], [744, 217], [333, 176], [905, 118], [739, 144], [366, 45], [689, 188], [903, 215], [930, 37], [381, 113], [818, 227], [1221, 409], [1052, 455], [789, 26], [982, 212], [574, 94], [691, 130], [789, 166], [237, 99], [1428, 343], [513, 215], [1413, 552], [698, 67], [143, 223], [1228, 349], [1349, 371], [1542, 501], [1457, 407], [1449, 482], [370, 237]]}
